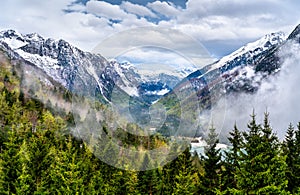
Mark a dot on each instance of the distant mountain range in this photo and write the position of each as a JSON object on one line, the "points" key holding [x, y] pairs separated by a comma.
{"points": [[91, 74], [243, 71], [72, 67]]}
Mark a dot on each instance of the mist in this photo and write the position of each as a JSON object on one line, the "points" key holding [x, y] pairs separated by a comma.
{"points": [[279, 95]]}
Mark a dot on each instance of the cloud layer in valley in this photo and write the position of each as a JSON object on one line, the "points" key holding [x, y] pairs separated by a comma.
{"points": [[279, 95]]}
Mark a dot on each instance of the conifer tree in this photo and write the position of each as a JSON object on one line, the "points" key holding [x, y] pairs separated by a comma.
{"points": [[126, 181], [232, 158], [210, 180], [24, 183], [262, 169], [296, 164], [4, 111], [186, 179], [289, 149], [9, 163], [147, 179], [175, 174], [65, 175], [97, 184]]}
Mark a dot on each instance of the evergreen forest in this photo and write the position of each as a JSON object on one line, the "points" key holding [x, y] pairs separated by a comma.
{"points": [[38, 155]]}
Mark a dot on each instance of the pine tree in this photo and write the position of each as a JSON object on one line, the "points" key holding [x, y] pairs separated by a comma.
{"points": [[9, 163], [210, 180], [24, 183], [103, 180], [186, 179], [40, 146], [65, 175], [14, 115], [296, 160], [147, 179], [289, 149], [4, 112], [126, 181], [232, 158], [262, 169], [97, 184]]}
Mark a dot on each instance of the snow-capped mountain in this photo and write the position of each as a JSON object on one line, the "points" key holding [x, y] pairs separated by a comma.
{"points": [[243, 71], [68, 65], [249, 53], [272, 62], [77, 70], [148, 87], [235, 72], [91, 74]]}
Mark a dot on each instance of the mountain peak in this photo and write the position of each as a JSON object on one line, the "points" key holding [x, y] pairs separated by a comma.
{"points": [[76, 70], [249, 51], [34, 37], [295, 33], [10, 33]]}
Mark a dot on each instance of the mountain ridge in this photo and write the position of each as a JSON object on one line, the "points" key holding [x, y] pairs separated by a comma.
{"points": [[91, 74], [232, 75], [65, 63], [62, 61]]}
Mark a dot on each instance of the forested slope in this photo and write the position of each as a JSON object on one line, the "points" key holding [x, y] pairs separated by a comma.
{"points": [[38, 155]]}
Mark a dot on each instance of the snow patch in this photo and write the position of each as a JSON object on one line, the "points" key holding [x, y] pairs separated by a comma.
{"points": [[128, 87], [92, 72], [160, 93], [14, 43], [46, 63]]}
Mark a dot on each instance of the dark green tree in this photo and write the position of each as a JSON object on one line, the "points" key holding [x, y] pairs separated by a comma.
{"points": [[10, 168], [187, 178], [210, 179], [126, 181], [295, 161], [290, 150], [65, 173], [232, 158], [179, 173], [147, 179], [262, 169]]}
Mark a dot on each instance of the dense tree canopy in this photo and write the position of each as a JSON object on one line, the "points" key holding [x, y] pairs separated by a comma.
{"points": [[39, 156]]}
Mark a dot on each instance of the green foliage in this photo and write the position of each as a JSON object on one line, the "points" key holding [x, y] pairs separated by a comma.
{"points": [[65, 171], [291, 150], [39, 156], [25, 182], [212, 165], [232, 159], [186, 179], [261, 168]]}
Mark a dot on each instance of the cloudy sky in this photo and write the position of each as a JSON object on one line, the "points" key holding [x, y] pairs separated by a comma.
{"points": [[221, 26]]}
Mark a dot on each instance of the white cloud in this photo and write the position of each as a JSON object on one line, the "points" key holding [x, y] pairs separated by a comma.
{"points": [[159, 60], [104, 9], [279, 94], [157, 56], [131, 22], [207, 20], [165, 8], [237, 19], [76, 7], [160, 38], [137, 9]]}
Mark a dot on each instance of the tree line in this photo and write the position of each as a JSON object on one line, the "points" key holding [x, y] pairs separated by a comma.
{"points": [[38, 155]]}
